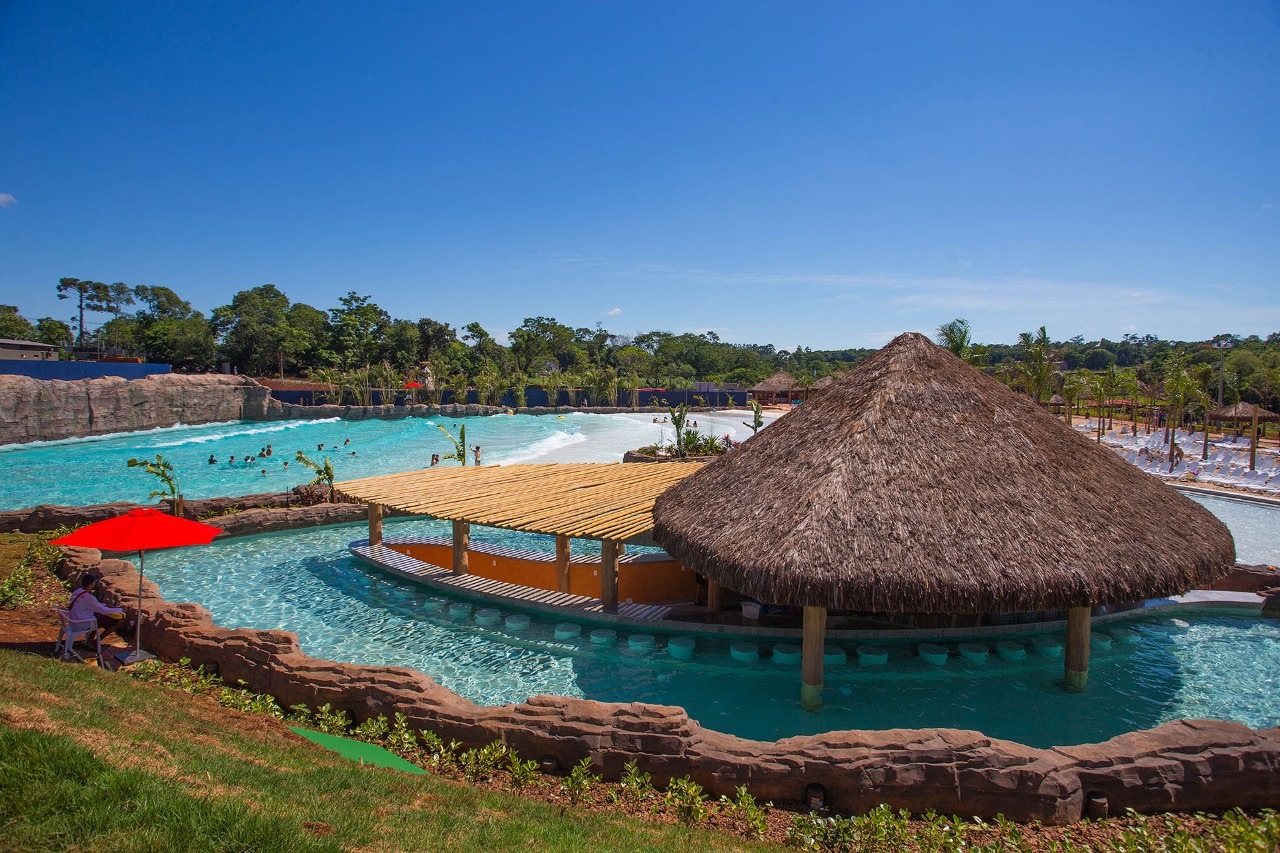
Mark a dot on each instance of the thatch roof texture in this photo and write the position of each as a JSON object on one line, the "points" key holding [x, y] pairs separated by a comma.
{"points": [[776, 384], [1243, 412], [917, 484]]}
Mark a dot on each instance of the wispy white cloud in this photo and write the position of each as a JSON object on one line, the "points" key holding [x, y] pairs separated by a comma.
{"points": [[613, 312], [7, 200], [1266, 205]]}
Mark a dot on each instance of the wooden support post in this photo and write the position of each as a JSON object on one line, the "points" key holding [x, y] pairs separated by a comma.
{"points": [[609, 575], [375, 524], [1253, 443], [461, 542], [1077, 656], [813, 648], [562, 564], [715, 600]]}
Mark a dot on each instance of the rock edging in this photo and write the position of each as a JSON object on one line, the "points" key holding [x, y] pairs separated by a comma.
{"points": [[1187, 765]]}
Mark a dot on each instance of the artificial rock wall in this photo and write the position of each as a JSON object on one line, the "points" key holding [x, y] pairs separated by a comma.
{"points": [[46, 410], [1188, 765]]}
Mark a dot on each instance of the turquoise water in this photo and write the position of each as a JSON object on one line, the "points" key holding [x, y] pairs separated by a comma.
{"points": [[89, 471], [1202, 664], [1255, 527]]}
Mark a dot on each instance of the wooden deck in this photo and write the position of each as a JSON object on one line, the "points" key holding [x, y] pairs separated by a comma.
{"points": [[499, 592]]}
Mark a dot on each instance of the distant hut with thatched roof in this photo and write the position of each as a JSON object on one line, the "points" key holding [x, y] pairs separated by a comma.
{"points": [[777, 385], [1250, 413], [916, 484]]}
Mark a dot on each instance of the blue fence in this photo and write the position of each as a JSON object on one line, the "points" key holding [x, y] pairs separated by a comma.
{"points": [[541, 397], [70, 370]]}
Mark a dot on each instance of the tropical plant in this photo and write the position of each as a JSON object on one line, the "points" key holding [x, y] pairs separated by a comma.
{"points": [[323, 472], [679, 414], [1074, 384], [459, 444], [757, 418], [162, 469]]}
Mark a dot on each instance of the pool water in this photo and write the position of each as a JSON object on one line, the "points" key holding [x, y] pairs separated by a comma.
{"points": [[92, 470], [1192, 664], [1254, 526]]}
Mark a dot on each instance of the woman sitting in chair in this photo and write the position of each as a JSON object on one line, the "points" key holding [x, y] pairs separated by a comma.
{"points": [[85, 607]]}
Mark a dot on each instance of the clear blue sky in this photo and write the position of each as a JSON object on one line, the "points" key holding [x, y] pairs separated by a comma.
{"points": [[814, 173]]}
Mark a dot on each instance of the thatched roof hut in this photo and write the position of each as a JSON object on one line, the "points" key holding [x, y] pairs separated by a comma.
{"points": [[779, 384], [1243, 411], [775, 384], [917, 484]]}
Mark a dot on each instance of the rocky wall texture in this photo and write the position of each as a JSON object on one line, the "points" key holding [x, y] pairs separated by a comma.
{"points": [[49, 410], [46, 410], [1188, 765]]}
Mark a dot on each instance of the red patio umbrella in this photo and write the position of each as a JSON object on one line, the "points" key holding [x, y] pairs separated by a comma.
{"points": [[413, 385], [140, 530]]}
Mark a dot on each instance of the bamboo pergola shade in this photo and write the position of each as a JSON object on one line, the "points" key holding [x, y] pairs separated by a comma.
{"points": [[585, 500]]}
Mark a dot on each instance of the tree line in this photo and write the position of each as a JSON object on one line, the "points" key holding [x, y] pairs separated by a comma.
{"points": [[1185, 378], [357, 345], [261, 332]]}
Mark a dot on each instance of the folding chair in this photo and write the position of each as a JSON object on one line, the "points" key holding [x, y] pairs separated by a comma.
{"points": [[70, 632]]}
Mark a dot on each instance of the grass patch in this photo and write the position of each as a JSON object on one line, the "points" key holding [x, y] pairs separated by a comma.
{"points": [[93, 759]]}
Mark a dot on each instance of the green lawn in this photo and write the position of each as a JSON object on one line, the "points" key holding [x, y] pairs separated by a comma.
{"points": [[96, 760]]}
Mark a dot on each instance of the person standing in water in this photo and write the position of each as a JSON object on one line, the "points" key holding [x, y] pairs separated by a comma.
{"points": [[475, 449]]}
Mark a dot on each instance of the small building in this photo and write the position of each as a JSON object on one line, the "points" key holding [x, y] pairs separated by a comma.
{"points": [[14, 350], [777, 386]]}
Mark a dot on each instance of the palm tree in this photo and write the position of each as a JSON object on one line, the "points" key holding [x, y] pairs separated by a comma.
{"points": [[163, 470], [1074, 384], [1180, 391], [328, 377], [324, 472], [459, 444], [1037, 364], [954, 336]]}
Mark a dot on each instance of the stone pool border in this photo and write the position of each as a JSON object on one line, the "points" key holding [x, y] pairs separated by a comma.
{"points": [[1185, 765]]}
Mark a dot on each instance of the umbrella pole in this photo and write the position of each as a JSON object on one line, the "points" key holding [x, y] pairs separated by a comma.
{"points": [[137, 654], [137, 620]]}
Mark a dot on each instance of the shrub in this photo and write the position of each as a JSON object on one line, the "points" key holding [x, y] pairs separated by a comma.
{"points": [[636, 786], [522, 772], [579, 782], [687, 799], [754, 818]]}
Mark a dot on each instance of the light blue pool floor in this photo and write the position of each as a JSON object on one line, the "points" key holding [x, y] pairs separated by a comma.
{"points": [[1194, 664]]}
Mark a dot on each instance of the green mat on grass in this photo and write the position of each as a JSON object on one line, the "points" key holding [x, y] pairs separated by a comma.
{"points": [[358, 750]]}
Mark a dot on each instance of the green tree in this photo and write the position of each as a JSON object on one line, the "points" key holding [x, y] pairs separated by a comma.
{"points": [[255, 329], [401, 344], [89, 296], [14, 326], [186, 343], [51, 331], [433, 337], [358, 327]]}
